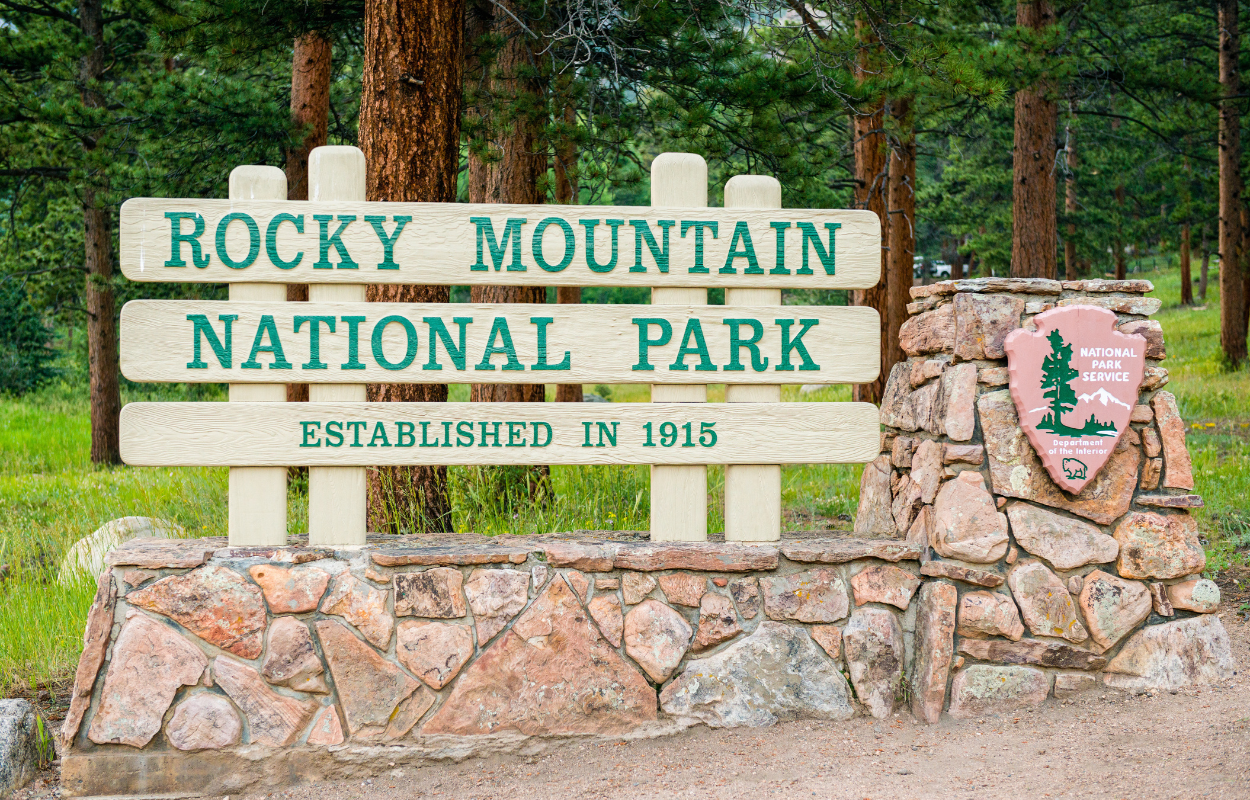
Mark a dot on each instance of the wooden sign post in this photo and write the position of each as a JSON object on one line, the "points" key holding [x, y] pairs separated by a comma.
{"points": [[337, 495], [752, 492], [257, 508], [336, 342]]}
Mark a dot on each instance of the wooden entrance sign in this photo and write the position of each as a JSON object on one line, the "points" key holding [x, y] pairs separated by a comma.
{"points": [[336, 342], [363, 434], [320, 343]]}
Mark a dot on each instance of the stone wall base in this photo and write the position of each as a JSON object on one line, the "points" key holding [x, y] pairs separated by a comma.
{"points": [[254, 768], [211, 670]]}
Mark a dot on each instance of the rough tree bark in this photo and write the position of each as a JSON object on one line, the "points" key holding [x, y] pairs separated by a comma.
{"points": [[102, 365], [479, 54], [1232, 301], [871, 192], [410, 135], [1206, 263], [565, 169], [1187, 282], [1069, 207], [1033, 234], [902, 230], [310, 109], [514, 122]]}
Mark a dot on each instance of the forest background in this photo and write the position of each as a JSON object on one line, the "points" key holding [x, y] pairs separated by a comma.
{"points": [[1038, 139]]}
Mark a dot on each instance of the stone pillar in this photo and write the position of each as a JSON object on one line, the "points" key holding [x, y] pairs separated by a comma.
{"points": [[1081, 572]]}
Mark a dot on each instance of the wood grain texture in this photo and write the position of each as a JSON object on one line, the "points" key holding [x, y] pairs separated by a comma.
{"points": [[679, 493], [257, 506], [601, 341], [752, 491], [440, 244], [271, 434], [337, 499]]}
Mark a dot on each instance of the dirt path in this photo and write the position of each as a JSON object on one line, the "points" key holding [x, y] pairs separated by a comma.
{"points": [[1103, 744], [1194, 743]]}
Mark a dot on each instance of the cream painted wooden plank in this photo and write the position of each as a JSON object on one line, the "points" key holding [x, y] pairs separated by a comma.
{"points": [[337, 495], [440, 245], [752, 491], [291, 434], [679, 493], [257, 495], [601, 343]]}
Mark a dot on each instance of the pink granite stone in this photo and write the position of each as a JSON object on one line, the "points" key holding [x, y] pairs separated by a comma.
{"points": [[935, 649], [989, 614], [605, 609], [272, 718], [433, 651], [931, 332], [966, 523], [636, 586], [363, 606], [717, 621], [1160, 546], [150, 662], [982, 322], [370, 688], [291, 659], [551, 673], [683, 588], [214, 603], [882, 583], [327, 730], [434, 593], [1112, 607], [817, 595], [495, 597], [290, 591], [1178, 472], [1044, 602], [656, 637], [204, 722], [95, 640]]}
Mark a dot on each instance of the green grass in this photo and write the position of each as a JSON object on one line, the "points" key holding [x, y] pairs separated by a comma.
{"points": [[1215, 401], [51, 496]]}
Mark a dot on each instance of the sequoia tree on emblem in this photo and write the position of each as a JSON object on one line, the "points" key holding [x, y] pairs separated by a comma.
{"points": [[1074, 382]]}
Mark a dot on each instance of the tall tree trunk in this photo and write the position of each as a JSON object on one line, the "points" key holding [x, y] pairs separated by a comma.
{"points": [[900, 258], [479, 57], [410, 134], [1206, 264], [1069, 207], [516, 93], [102, 365], [310, 109], [1033, 231], [565, 169], [1187, 283], [872, 193], [1232, 287]]}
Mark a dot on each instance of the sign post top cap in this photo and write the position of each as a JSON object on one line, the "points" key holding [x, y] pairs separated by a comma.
{"points": [[336, 172], [254, 182], [753, 191]]}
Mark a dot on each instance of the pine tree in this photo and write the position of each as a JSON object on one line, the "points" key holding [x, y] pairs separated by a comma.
{"points": [[1057, 376]]}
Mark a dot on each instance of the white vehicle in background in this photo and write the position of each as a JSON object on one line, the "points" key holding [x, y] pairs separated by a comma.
{"points": [[937, 269]]}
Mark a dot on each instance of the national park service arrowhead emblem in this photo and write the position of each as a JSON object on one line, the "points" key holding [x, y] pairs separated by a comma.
{"points": [[1074, 381]]}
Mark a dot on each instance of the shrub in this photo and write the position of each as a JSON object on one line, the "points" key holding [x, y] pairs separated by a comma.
{"points": [[26, 352]]}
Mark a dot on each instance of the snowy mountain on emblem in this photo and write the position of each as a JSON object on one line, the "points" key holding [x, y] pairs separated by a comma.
{"points": [[1103, 396]]}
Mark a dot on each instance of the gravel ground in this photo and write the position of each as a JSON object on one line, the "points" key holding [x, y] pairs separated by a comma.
{"points": [[1191, 743], [1194, 743]]}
